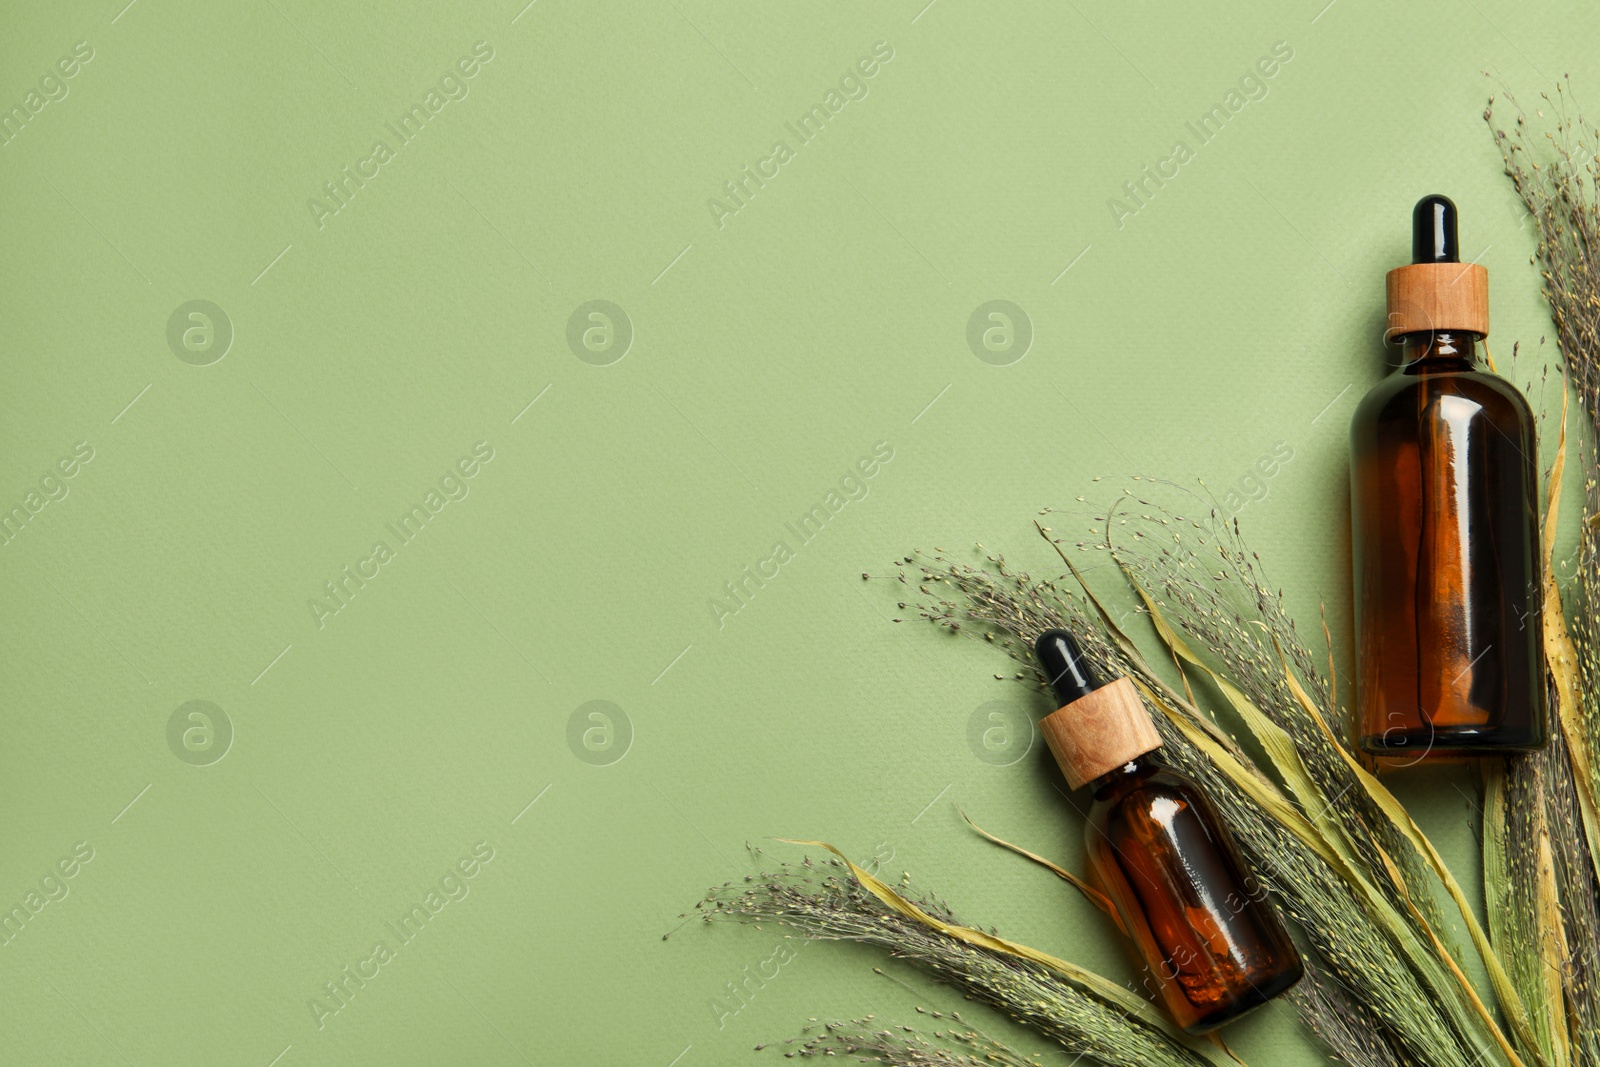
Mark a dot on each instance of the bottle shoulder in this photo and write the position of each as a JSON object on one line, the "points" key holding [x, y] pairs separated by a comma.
{"points": [[1151, 789], [1404, 393]]}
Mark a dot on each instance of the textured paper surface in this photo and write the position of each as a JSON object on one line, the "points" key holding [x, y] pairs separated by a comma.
{"points": [[828, 327]]}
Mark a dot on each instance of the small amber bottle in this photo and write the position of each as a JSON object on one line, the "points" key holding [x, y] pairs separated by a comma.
{"points": [[1214, 943], [1444, 496]]}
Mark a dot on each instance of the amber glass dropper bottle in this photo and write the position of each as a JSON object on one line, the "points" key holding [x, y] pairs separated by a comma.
{"points": [[1444, 498], [1214, 943]]}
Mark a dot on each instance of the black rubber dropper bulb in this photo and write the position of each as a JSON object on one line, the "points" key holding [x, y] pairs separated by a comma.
{"points": [[1433, 231], [1064, 665]]}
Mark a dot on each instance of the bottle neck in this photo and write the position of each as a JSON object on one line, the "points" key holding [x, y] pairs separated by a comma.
{"points": [[1438, 350], [1121, 777]]}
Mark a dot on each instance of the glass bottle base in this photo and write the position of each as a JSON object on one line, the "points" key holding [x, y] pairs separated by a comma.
{"points": [[1399, 748], [1248, 1000]]}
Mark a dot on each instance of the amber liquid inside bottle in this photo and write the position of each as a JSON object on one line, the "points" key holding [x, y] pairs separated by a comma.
{"points": [[1215, 945], [1445, 545]]}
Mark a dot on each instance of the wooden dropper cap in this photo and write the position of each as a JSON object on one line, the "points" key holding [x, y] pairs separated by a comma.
{"points": [[1098, 728], [1436, 292]]}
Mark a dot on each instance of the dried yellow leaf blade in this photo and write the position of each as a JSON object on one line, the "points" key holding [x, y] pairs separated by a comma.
{"points": [[1505, 990], [1509, 938], [1561, 656], [1557, 469], [1274, 740], [1129, 647], [1215, 1037], [1178, 647], [1264, 794], [1553, 953], [1088, 981], [1090, 893], [1445, 957], [1496, 862], [1125, 642]]}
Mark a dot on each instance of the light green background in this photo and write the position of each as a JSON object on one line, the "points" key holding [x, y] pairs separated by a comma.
{"points": [[1239, 308]]}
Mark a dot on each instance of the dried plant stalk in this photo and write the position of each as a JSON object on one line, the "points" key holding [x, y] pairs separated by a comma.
{"points": [[1341, 1022], [1557, 175], [1543, 819], [829, 901], [904, 1046]]}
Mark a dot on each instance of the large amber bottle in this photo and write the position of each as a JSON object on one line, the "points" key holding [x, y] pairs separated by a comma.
{"points": [[1445, 531]]}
